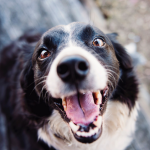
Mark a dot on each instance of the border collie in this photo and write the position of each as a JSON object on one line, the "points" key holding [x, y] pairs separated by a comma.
{"points": [[72, 88]]}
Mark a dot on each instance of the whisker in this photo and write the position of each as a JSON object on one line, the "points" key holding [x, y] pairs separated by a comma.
{"points": [[111, 84], [42, 90], [37, 85], [113, 79], [109, 70], [41, 78], [110, 75], [37, 80], [111, 67]]}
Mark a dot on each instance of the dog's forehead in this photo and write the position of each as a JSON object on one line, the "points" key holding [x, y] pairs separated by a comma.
{"points": [[73, 30]]}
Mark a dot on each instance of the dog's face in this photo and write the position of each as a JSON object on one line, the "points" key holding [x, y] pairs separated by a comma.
{"points": [[76, 69]]}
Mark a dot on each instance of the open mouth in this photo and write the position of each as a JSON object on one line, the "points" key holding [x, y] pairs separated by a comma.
{"points": [[85, 114]]}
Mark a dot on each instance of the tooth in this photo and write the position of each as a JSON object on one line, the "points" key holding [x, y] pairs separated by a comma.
{"points": [[92, 132], [95, 130], [88, 134], [64, 103], [83, 134], [78, 133], [97, 97], [98, 122], [105, 91], [73, 126]]}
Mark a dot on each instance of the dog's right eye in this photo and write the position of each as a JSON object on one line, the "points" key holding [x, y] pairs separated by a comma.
{"points": [[44, 54]]}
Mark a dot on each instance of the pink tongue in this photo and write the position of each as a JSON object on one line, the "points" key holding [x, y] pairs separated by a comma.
{"points": [[83, 113]]}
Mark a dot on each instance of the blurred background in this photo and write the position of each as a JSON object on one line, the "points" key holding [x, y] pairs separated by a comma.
{"points": [[129, 18]]}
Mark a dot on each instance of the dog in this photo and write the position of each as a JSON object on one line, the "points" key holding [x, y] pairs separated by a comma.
{"points": [[71, 88]]}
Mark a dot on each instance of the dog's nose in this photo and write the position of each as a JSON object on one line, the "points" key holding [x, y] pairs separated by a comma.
{"points": [[73, 68]]}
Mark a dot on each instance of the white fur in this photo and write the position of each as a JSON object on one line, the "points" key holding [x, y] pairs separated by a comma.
{"points": [[118, 128], [67, 28], [58, 88]]}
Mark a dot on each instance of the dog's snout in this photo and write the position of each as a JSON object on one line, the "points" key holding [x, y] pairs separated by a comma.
{"points": [[73, 68]]}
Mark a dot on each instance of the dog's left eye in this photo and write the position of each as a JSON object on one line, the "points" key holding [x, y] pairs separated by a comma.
{"points": [[44, 54], [99, 42]]}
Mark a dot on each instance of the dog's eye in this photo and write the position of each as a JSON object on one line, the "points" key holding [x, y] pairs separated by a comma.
{"points": [[44, 54], [98, 42]]}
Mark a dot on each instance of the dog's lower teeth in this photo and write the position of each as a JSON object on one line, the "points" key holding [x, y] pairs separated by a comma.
{"points": [[96, 130], [91, 132], [88, 134], [78, 133], [73, 126]]}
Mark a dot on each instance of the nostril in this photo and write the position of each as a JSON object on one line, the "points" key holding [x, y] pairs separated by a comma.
{"points": [[63, 71], [82, 68]]}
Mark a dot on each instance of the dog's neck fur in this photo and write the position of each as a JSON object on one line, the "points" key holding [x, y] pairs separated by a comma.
{"points": [[118, 127]]}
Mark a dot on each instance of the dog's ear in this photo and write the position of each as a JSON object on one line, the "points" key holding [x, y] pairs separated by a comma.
{"points": [[27, 45], [27, 75], [121, 54]]}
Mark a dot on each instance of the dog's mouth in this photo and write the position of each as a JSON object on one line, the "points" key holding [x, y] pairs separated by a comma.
{"points": [[85, 114]]}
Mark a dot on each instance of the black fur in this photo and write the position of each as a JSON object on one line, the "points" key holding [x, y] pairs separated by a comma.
{"points": [[127, 88], [24, 110]]}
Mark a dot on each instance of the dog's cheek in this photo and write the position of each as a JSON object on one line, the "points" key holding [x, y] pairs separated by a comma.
{"points": [[112, 66], [41, 70]]}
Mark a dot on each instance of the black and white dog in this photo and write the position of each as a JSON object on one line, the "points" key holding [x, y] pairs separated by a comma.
{"points": [[72, 88]]}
